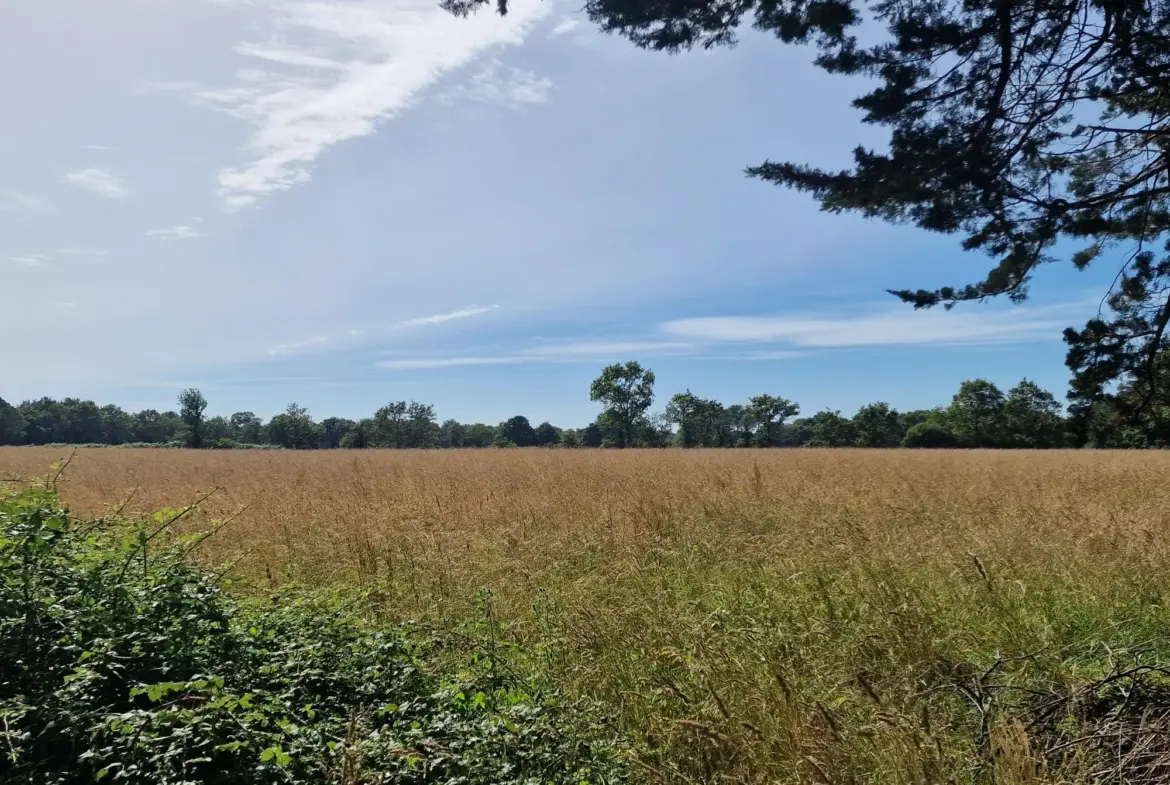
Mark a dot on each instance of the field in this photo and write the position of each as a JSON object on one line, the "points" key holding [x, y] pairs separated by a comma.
{"points": [[743, 616]]}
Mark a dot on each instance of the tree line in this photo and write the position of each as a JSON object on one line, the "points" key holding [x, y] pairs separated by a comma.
{"points": [[980, 414]]}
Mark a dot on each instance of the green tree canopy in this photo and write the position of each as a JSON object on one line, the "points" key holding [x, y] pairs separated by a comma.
{"points": [[518, 431], [976, 414], [626, 392], [192, 404]]}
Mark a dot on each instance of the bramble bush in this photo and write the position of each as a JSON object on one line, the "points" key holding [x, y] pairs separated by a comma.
{"points": [[121, 661]]}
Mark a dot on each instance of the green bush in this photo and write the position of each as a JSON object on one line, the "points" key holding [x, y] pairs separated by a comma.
{"points": [[122, 662], [929, 435]]}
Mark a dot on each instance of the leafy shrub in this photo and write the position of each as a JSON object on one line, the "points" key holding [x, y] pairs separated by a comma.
{"points": [[929, 434], [122, 662]]}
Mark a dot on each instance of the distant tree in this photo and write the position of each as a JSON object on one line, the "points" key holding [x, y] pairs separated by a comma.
{"points": [[360, 437], [907, 420], [932, 433], [11, 424], [829, 428], [479, 435], [1032, 418], [192, 404], [245, 427], [117, 425], [740, 424], [571, 438], [976, 414], [44, 421], [149, 427], [877, 425], [625, 392], [657, 432], [702, 422], [684, 410], [592, 435], [518, 431], [218, 429], [294, 428], [333, 430], [82, 421], [769, 413], [422, 431], [547, 435], [452, 434], [390, 425]]}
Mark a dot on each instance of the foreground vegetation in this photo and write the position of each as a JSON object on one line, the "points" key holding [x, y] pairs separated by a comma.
{"points": [[748, 617], [121, 661]]}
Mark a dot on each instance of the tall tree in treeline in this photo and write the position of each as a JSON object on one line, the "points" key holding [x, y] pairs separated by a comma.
{"points": [[1026, 127], [626, 391], [192, 404]]}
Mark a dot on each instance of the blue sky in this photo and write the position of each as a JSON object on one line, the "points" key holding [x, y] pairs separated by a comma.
{"points": [[346, 202]]}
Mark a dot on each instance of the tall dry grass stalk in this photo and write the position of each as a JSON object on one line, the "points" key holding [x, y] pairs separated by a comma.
{"points": [[751, 616]]}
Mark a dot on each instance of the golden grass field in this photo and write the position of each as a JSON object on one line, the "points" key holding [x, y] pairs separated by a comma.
{"points": [[746, 616]]}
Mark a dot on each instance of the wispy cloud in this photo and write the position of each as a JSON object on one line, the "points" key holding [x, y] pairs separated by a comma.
{"points": [[98, 148], [66, 305], [424, 363], [297, 346], [439, 318], [606, 349], [30, 259], [339, 69], [11, 201], [504, 86], [566, 352], [99, 181], [901, 326], [81, 252], [567, 25], [175, 233]]}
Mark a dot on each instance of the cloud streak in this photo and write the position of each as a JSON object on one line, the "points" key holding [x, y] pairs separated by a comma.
{"points": [[100, 182], [13, 201], [296, 347], [175, 233], [30, 259], [569, 352], [440, 318], [887, 328], [340, 68], [783, 337], [503, 85]]}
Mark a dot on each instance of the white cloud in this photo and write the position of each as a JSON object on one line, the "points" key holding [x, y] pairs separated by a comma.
{"points": [[424, 363], [465, 313], [99, 181], [67, 305], [30, 259], [893, 327], [12, 201], [337, 70], [602, 349], [81, 252], [565, 26], [100, 148], [175, 233], [569, 352], [504, 85], [298, 346]]}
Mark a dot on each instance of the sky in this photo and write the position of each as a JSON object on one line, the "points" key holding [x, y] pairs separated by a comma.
{"points": [[347, 202]]}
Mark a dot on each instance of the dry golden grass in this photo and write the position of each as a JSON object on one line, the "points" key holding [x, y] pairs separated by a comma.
{"points": [[749, 616]]}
